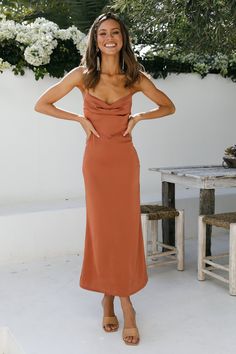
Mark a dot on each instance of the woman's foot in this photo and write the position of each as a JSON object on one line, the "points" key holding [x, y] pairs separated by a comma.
{"points": [[130, 330], [109, 324]]}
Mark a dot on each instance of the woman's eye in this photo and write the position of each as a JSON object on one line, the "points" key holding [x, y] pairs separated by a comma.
{"points": [[103, 34]]}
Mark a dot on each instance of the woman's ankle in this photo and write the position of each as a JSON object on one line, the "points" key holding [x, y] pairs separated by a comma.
{"points": [[125, 302], [108, 297]]}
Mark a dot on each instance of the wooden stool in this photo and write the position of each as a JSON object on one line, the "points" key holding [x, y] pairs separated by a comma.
{"points": [[227, 221], [150, 214]]}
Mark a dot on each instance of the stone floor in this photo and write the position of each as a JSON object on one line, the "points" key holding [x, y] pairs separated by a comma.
{"points": [[48, 313]]}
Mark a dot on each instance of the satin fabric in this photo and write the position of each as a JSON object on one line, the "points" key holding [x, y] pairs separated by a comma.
{"points": [[114, 260]]}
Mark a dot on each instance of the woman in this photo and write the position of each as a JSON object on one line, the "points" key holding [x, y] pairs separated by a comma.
{"points": [[109, 74]]}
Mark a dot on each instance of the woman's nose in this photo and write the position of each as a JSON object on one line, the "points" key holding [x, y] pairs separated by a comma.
{"points": [[109, 35]]}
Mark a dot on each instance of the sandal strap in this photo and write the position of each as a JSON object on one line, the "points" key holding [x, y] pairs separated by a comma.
{"points": [[130, 332], [109, 320]]}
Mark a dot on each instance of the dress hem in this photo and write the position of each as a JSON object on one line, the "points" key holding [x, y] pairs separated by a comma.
{"points": [[108, 292]]}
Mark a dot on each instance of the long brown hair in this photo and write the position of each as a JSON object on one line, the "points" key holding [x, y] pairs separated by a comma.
{"points": [[132, 67]]}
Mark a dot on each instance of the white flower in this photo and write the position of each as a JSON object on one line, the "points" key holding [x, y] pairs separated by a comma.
{"points": [[82, 46], [7, 30], [39, 38], [4, 65], [78, 37], [63, 34], [39, 52]]}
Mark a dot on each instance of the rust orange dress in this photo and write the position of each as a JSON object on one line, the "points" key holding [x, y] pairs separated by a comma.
{"points": [[114, 260]]}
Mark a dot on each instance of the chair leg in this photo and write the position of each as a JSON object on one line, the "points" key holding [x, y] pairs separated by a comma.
{"points": [[201, 247], [154, 234], [144, 221], [232, 259], [179, 239]]}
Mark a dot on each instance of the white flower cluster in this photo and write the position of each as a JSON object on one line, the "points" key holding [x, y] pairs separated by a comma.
{"points": [[4, 65], [7, 28], [79, 38], [39, 38]]}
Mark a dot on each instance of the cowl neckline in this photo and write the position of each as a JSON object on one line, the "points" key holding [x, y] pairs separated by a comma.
{"points": [[109, 104]]}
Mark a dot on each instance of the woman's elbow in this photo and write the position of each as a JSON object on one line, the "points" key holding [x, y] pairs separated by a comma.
{"points": [[37, 107], [40, 107], [169, 109], [172, 108]]}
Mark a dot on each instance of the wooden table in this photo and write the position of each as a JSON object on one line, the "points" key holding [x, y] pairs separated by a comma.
{"points": [[206, 178]]}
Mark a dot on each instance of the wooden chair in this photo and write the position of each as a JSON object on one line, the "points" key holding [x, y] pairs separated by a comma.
{"points": [[227, 221], [150, 214]]}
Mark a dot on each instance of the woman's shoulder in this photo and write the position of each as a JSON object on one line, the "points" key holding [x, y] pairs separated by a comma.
{"points": [[77, 75], [79, 71], [144, 76], [142, 80]]}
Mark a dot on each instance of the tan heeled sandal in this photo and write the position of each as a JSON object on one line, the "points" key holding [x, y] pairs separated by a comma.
{"points": [[107, 320], [110, 320], [130, 332], [133, 331]]}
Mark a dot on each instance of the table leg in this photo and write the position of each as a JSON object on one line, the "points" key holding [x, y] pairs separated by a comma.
{"points": [[168, 226], [207, 206]]}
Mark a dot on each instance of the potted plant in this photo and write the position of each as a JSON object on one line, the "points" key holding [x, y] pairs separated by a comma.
{"points": [[229, 159]]}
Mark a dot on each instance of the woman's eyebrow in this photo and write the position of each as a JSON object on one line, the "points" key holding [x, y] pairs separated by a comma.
{"points": [[103, 29]]}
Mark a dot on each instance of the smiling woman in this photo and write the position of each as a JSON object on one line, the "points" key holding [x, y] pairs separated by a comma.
{"points": [[114, 261], [107, 38]]}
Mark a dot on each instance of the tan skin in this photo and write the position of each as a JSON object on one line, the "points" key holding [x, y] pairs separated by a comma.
{"points": [[109, 89]]}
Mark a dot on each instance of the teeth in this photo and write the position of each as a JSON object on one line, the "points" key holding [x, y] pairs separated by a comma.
{"points": [[110, 45]]}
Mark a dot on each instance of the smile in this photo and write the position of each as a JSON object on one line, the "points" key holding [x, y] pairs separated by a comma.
{"points": [[110, 45]]}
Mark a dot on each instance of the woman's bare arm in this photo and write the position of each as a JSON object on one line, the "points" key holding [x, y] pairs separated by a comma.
{"points": [[45, 103], [165, 105]]}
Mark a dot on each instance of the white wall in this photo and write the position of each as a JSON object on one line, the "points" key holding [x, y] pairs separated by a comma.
{"points": [[41, 159], [41, 156]]}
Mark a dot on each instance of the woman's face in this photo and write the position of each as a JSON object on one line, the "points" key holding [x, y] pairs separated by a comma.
{"points": [[109, 37]]}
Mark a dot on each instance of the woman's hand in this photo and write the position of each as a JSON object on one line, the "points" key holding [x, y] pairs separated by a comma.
{"points": [[131, 123], [88, 127]]}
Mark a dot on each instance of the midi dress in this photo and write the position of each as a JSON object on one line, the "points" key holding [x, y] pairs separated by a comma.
{"points": [[113, 259]]}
